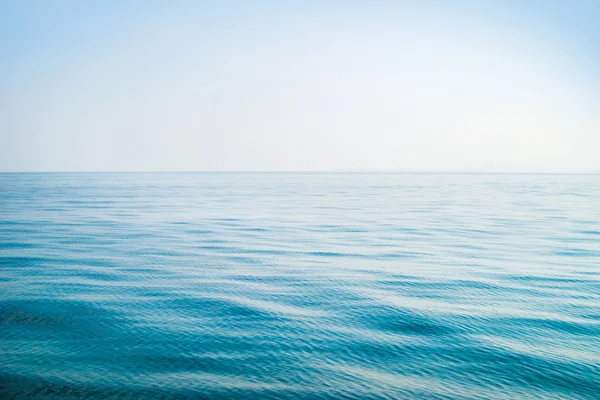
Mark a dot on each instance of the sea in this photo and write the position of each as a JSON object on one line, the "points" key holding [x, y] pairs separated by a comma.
{"points": [[299, 286]]}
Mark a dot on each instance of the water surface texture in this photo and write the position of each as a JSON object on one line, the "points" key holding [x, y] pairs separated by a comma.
{"points": [[299, 286]]}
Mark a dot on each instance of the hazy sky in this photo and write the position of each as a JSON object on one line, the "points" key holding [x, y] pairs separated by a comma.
{"points": [[304, 85]]}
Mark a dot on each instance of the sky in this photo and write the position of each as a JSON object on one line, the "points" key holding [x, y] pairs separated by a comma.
{"points": [[469, 86]]}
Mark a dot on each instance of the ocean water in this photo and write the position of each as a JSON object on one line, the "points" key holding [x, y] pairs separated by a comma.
{"points": [[299, 286]]}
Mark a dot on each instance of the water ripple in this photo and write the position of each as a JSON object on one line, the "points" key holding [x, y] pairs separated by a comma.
{"points": [[299, 286]]}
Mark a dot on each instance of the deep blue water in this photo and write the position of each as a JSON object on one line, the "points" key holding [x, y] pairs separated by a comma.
{"points": [[299, 286]]}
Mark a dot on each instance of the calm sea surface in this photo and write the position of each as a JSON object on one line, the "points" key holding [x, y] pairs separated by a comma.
{"points": [[299, 286]]}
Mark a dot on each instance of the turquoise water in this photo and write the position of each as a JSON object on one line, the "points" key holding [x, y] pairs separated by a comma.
{"points": [[299, 286]]}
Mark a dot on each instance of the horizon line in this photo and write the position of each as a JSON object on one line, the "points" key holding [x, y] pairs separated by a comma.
{"points": [[331, 171]]}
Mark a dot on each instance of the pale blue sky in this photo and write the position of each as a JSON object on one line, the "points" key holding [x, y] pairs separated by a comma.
{"points": [[305, 85]]}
